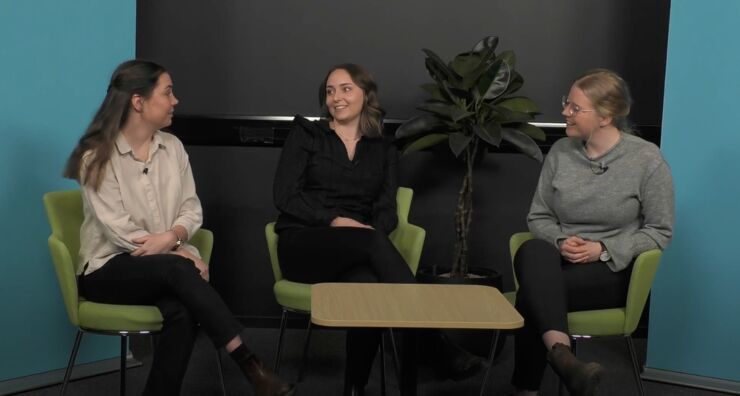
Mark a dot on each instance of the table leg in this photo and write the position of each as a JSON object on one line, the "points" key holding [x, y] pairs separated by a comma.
{"points": [[408, 363], [490, 361]]}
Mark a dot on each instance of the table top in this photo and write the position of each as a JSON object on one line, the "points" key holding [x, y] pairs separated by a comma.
{"points": [[411, 306]]}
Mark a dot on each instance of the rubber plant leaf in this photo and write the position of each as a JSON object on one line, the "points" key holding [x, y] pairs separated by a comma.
{"points": [[425, 142], [524, 143]]}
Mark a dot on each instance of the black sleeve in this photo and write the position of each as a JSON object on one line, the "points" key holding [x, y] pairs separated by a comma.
{"points": [[385, 217], [289, 181]]}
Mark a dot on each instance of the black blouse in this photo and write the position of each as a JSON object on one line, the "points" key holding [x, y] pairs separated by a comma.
{"points": [[316, 182]]}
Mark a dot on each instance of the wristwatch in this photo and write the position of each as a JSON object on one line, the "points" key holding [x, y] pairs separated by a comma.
{"points": [[604, 256]]}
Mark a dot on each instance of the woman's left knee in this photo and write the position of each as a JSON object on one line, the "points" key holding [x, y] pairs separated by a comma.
{"points": [[175, 313]]}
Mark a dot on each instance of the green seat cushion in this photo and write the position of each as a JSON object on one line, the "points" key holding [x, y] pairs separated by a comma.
{"points": [[600, 322], [112, 317]]}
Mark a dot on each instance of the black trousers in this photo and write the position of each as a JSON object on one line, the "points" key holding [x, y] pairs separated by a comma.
{"points": [[549, 288], [173, 284], [344, 254]]}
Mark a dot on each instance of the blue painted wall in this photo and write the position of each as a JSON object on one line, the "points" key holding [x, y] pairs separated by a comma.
{"points": [[55, 61], [695, 311]]}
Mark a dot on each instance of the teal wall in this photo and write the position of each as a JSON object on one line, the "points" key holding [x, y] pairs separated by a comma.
{"points": [[55, 61], [695, 310]]}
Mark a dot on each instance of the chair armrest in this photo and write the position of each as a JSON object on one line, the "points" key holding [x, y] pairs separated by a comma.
{"points": [[641, 280], [203, 241], [66, 277], [409, 240]]}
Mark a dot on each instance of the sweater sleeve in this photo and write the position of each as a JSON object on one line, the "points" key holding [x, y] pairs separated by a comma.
{"points": [[657, 210], [542, 221], [288, 186], [385, 217]]}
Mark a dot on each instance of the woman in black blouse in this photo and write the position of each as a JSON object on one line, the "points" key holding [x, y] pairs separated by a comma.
{"points": [[335, 188]]}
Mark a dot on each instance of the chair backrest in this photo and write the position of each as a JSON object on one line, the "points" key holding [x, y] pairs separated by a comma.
{"points": [[403, 203], [403, 207], [64, 211]]}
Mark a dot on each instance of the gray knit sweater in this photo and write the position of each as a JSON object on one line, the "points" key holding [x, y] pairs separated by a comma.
{"points": [[623, 198]]}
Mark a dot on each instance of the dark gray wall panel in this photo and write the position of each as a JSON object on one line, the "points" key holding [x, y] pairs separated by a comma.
{"points": [[262, 57]]}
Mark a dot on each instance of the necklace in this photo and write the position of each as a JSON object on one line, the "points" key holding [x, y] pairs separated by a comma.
{"points": [[348, 139]]}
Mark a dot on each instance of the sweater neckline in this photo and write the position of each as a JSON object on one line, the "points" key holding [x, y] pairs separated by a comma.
{"points": [[606, 153]]}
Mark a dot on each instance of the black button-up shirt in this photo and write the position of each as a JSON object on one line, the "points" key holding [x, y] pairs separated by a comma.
{"points": [[316, 181]]}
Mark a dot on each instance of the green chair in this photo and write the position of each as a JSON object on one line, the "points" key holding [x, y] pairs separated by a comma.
{"points": [[620, 321], [296, 297], [64, 211]]}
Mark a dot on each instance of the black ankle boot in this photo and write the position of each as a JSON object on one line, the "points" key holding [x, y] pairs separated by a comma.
{"points": [[452, 361], [581, 379], [264, 381]]}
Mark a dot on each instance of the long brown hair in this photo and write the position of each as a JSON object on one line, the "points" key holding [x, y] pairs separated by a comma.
{"points": [[371, 117], [609, 94], [134, 77]]}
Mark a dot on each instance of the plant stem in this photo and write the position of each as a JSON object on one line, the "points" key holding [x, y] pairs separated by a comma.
{"points": [[464, 214]]}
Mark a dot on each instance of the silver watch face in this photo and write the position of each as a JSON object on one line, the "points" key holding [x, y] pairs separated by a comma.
{"points": [[605, 256]]}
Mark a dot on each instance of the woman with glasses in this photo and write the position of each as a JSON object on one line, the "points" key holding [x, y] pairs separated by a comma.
{"points": [[604, 196]]}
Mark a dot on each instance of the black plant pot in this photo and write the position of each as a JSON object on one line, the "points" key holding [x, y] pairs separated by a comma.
{"points": [[475, 341], [478, 276]]}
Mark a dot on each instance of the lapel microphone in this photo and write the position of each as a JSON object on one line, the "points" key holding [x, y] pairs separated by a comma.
{"points": [[598, 168]]}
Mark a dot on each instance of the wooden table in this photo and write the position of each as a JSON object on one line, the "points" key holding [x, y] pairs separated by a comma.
{"points": [[413, 306]]}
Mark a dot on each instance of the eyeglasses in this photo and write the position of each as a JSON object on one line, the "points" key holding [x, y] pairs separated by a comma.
{"points": [[571, 108]]}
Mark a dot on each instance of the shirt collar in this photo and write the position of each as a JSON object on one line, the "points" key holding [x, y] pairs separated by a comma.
{"points": [[124, 148]]}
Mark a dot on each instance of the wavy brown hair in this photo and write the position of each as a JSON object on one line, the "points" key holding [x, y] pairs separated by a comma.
{"points": [[609, 94], [371, 117], [134, 77]]}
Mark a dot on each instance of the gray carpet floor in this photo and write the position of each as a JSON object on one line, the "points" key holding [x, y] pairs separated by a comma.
{"points": [[324, 370]]}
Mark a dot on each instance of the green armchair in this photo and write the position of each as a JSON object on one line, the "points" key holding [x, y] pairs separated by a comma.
{"points": [[296, 297], [64, 211], [620, 321]]}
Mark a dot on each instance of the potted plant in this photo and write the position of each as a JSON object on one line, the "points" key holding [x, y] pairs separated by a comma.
{"points": [[472, 107]]}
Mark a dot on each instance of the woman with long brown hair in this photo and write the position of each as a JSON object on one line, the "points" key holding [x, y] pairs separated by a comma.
{"points": [[335, 188], [140, 209]]}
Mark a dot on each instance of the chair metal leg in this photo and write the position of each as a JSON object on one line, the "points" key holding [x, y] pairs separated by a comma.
{"points": [[635, 364], [494, 344], [72, 358], [283, 321], [305, 351], [382, 365], [394, 347], [220, 371], [124, 350]]}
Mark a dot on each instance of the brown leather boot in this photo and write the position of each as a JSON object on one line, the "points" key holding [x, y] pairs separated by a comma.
{"points": [[581, 379], [264, 381]]}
